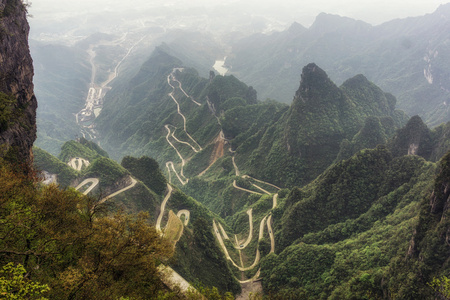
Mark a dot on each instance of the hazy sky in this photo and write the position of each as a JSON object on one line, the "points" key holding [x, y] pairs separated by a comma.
{"points": [[304, 12]]}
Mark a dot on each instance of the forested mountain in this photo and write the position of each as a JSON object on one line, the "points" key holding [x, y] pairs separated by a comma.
{"points": [[336, 195], [139, 186], [347, 226], [406, 57]]}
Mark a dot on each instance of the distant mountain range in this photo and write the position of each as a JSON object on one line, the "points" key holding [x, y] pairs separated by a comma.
{"points": [[406, 57]]}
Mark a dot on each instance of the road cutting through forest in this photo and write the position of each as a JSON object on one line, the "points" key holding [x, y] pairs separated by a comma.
{"points": [[163, 207], [267, 219], [171, 77], [217, 151], [95, 181], [77, 163], [240, 246], [133, 183]]}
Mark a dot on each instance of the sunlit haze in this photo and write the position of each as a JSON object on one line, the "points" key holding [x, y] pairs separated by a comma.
{"points": [[46, 12]]}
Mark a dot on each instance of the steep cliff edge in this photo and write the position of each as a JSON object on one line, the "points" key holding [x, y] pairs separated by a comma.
{"points": [[18, 103]]}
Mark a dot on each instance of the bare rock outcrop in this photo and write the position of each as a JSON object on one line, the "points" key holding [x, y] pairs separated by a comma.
{"points": [[18, 133]]}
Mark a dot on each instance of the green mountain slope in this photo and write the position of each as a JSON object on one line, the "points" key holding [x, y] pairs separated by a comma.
{"points": [[146, 195], [350, 218], [307, 138]]}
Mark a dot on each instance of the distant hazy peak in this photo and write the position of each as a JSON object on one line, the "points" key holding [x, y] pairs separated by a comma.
{"points": [[296, 28], [328, 22], [443, 9]]}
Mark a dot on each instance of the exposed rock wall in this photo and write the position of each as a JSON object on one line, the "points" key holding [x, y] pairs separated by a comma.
{"points": [[16, 79]]}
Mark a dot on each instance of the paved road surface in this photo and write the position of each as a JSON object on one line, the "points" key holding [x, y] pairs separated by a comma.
{"points": [[172, 279], [272, 239], [250, 232], [261, 228], [133, 183], [94, 182], [186, 214], [163, 207], [77, 163], [275, 197], [245, 190]]}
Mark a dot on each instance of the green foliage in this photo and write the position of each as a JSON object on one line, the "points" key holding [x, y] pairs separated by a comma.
{"points": [[11, 7], [210, 293], [93, 146], [7, 104], [369, 247], [147, 170], [46, 162], [85, 150], [373, 133], [414, 138], [198, 257], [441, 286], [63, 240], [107, 170], [223, 88], [14, 285], [67, 241], [346, 190]]}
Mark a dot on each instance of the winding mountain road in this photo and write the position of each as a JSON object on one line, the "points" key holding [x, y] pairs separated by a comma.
{"points": [[250, 232], [219, 231], [227, 255], [236, 170], [170, 77], [274, 200], [245, 190], [267, 219], [133, 183], [261, 228], [186, 214], [272, 239], [181, 88], [183, 179], [94, 182], [77, 163], [163, 207]]}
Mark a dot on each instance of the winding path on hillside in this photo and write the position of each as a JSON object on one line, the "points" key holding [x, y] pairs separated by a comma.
{"points": [[219, 231], [186, 213], [131, 185], [227, 255], [272, 239], [183, 180], [170, 77], [181, 88], [267, 219], [250, 232], [245, 190], [94, 182], [163, 207], [77, 163], [183, 162]]}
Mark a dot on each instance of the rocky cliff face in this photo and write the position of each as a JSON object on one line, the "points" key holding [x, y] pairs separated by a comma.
{"points": [[18, 133]]}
